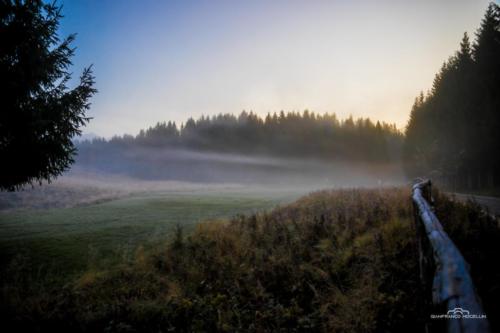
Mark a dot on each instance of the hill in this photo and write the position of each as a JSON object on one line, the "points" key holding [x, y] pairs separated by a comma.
{"points": [[333, 261], [292, 148]]}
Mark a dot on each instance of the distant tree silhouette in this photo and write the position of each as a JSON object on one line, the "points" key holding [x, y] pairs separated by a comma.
{"points": [[291, 134], [453, 132], [40, 114]]}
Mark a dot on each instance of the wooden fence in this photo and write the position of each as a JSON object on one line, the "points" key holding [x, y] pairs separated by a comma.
{"points": [[444, 272]]}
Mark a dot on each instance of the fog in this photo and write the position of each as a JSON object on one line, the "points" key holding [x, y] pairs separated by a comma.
{"points": [[160, 164], [107, 174]]}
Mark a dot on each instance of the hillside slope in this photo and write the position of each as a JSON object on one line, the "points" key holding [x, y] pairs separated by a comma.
{"points": [[333, 261]]}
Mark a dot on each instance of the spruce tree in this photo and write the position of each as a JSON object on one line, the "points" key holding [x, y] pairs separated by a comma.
{"points": [[486, 53], [454, 130], [40, 115]]}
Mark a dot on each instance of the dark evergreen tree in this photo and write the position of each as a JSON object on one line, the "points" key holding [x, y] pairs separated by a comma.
{"points": [[452, 135], [40, 114], [486, 53]]}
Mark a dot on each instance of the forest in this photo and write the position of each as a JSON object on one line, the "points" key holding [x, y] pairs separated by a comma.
{"points": [[294, 221], [285, 148], [452, 134], [291, 134]]}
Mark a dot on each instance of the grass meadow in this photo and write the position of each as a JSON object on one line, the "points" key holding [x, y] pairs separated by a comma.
{"points": [[331, 261], [71, 239]]}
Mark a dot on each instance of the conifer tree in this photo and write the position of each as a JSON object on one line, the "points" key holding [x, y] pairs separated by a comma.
{"points": [[452, 133], [40, 114]]}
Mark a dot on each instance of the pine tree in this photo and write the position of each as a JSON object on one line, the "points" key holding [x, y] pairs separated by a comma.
{"points": [[40, 114], [486, 53], [453, 132]]}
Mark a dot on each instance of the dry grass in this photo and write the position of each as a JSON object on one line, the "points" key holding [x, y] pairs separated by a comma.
{"points": [[334, 261]]}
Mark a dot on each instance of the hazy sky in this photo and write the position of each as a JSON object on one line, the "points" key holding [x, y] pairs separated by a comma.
{"points": [[169, 60]]}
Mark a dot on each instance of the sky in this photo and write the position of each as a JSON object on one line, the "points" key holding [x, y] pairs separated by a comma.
{"points": [[170, 60]]}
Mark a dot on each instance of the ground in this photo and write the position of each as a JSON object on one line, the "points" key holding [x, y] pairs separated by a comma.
{"points": [[71, 238], [119, 263]]}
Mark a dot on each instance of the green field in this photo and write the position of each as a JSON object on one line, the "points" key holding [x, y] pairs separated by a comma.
{"points": [[70, 240], [311, 264]]}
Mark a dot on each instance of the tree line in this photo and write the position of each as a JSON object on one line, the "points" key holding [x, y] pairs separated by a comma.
{"points": [[453, 134], [291, 134]]}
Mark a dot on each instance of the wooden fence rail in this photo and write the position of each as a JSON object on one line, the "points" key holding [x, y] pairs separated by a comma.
{"points": [[444, 271]]}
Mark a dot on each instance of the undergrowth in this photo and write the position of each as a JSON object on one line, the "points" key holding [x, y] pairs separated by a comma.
{"points": [[333, 261]]}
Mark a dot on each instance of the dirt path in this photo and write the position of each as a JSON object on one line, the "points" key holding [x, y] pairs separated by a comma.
{"points": [[491, 203]]}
